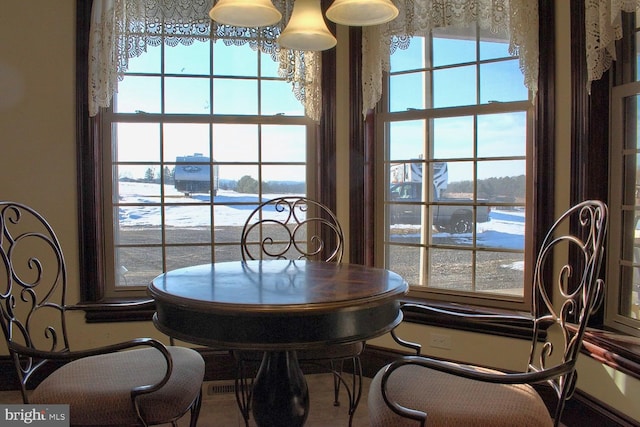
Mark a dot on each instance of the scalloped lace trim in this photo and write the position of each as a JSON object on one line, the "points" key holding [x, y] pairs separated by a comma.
{"points": [[603, 26], [122, 29]]}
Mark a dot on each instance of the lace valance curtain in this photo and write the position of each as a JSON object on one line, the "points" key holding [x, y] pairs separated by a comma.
{"points": [[603, 22], [122, 29], [516, 18]]}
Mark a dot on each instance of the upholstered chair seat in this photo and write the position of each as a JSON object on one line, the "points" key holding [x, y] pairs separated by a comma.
{"points": [[476, 403], [98, 388]]}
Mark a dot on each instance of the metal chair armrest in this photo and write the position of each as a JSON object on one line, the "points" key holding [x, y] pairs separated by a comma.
{"points": [[436, 311]]}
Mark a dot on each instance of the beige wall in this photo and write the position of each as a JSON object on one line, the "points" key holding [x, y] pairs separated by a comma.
{"points": [[38, 167], [37, 136]]}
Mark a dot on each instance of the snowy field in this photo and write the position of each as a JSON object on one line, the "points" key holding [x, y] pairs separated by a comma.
{"points": [[187, 211], [504, 230]]}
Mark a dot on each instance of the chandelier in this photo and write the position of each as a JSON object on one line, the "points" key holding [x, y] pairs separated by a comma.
{"points": [[306, 29]]}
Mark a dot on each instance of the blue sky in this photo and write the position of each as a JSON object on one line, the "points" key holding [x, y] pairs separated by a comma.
{"points": [[499, 134]]}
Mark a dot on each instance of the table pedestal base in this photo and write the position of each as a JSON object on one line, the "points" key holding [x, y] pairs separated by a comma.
{"points": [[280, 397]]}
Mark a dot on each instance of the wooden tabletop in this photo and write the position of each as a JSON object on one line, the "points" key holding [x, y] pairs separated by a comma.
{"points": [[277, 304]]}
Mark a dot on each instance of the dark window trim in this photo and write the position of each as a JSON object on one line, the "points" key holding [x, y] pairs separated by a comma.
{"points": [[89, 178]]}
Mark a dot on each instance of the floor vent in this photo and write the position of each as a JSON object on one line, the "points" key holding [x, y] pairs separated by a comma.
{"points": [[220, 387]]}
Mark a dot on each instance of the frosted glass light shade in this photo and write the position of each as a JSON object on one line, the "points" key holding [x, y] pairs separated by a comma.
{"points": [[362, 12], [306, 29], [245, 13]]}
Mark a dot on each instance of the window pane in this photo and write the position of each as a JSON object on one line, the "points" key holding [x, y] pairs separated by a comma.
{"points": [[231, 96], [454, 87], [138, 94], [234, 60], [233, 143], [411, 58], [279, 140], [137, 142], [268, 66], [453, 137], [500, 273], [461, 179], [502, 134], [637, 55], [404, 260], [137, 266], [293, 176], [450, 269], [407, 91], [502, 82], [128, 173], [186, 95], [501, 177], [148, 62], [185, 217], [183, 139], [629, 292], [493, 46], [406, 139], [187, 256], [192, 59], [278, 98], [453, 45], [504, 230], [243, 178], [150, 234]]}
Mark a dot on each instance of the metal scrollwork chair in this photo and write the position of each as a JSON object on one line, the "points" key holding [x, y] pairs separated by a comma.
{"points": [[137, 382], [298, 228], [439, 393]]}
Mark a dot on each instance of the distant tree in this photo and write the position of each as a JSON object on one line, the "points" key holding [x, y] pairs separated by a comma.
{"points": [[460, 187], [246, 184], [149, 175], [506, 186], [283, 187], [169, 175]]}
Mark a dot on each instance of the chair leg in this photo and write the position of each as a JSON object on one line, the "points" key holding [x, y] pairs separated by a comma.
{"points": [[337, 372], [354, 393], [195, 410], [356, 384], [243, 387]]}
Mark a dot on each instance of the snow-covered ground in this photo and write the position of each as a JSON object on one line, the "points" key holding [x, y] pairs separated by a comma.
{"points": [[184, 211], [504, 230]]}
